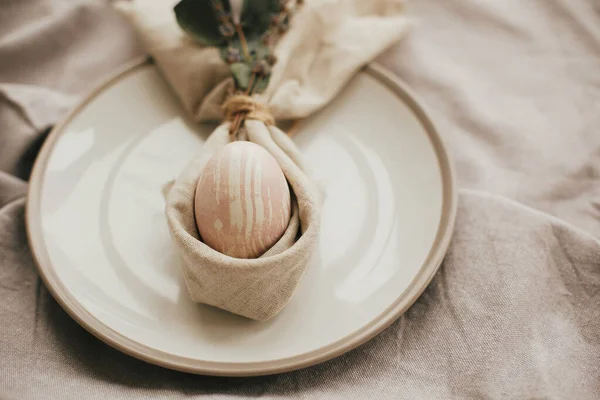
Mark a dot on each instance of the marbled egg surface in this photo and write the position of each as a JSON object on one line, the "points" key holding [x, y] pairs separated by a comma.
{"points": [[242, 201]]}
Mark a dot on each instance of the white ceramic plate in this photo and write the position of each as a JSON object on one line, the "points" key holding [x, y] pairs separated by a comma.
{"points": [[96, 223]]}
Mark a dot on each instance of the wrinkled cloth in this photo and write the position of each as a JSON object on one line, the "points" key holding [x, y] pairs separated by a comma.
{"points": [[328, 41], [514, 311]]}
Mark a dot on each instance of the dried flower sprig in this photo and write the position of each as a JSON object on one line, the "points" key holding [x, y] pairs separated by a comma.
{"points": [[246, 37]]}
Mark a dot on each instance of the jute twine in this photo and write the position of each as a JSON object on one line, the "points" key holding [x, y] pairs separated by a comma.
{"points": [[239, 107]]}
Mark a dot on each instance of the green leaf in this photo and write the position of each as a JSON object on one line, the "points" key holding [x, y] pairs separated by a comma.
{"points": [[241, 75], [198, 18], [242, 71], [257, 15]]}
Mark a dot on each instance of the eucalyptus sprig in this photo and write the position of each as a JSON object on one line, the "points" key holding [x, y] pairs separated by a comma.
{"points": [[246, 41]]}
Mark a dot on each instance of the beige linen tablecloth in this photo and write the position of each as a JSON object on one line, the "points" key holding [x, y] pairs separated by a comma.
{"points": [[514, 312]]}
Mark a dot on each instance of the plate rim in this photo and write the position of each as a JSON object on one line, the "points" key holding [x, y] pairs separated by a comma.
{"points": [[334, 349]]}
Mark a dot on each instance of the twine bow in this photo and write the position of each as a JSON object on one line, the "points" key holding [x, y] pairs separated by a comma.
{"points": [[239, 107]]}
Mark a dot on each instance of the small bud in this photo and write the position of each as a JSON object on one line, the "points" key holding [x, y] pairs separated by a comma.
{"points": [[226, 30], [266, 38], [233, 55], [283, 26], [271, 59], [275, 20], [266, 67], [261, 68]]}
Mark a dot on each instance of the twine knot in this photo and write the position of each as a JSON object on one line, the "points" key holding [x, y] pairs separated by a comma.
{"points": [[240, 106]]}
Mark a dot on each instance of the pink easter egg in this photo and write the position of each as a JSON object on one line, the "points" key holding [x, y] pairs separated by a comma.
{"points": [[242, 201]]}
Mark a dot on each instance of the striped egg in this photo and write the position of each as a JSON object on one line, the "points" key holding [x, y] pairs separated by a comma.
{"points": [[242, 201]]}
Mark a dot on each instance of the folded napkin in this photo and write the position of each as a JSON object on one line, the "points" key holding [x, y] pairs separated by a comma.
{"points": [[255, 288]]}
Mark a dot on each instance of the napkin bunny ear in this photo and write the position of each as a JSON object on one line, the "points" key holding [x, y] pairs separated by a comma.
{"points": [[328, 42]]}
